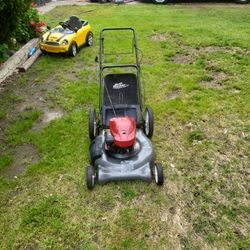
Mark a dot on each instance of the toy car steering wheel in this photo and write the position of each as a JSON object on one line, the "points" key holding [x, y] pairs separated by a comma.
{"points": [[64, 24]]}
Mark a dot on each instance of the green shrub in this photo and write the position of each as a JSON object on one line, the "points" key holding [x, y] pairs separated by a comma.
{"points": [[11, 13], [27, 26], [18, 19], [3, 54]]}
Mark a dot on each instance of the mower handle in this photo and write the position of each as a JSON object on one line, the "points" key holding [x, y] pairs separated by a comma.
{"points": [[120, 66], [118, 28], [102, 67]]}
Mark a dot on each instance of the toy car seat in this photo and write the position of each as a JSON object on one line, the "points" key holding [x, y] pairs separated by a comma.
{"points": [[74, 23]]}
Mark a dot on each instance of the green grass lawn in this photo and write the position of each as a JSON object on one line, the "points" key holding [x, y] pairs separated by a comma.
{"points": [[196, 71]]}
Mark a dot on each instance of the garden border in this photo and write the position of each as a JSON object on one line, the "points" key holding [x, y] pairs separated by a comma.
{"points": [[16, 60]]}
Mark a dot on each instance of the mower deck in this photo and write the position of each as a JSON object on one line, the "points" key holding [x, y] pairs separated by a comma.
{"points": [[137, 167]]}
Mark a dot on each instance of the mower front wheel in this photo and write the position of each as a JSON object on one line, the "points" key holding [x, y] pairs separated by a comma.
{"points": [[158, 174], [92, 124], [90, 177], [149, 122]]}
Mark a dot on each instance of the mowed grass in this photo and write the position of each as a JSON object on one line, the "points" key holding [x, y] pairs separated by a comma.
{"points": [[195, 72]]}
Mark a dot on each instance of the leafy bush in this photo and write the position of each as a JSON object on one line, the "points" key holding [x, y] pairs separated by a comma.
{"points": [[18, 19], [27, 27], [11, 13], [3, 53]]}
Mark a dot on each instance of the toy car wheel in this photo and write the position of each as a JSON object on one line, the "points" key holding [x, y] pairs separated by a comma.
{"points": [[73, 49], [44, 51], [158, 174], [149, 122], [90, 177], [92, 124], [89, 39]]}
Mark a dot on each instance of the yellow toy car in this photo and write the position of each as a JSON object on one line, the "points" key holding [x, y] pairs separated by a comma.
{"points": [[67, 37]]}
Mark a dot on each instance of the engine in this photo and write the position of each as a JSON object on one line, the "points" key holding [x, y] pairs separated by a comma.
{"points": [[121, 140]]}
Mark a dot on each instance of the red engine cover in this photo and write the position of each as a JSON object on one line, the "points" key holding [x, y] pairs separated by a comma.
{"points": [[123, 129]]}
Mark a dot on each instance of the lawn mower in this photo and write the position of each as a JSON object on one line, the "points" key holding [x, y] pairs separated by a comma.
{"points": [[121, 148]]}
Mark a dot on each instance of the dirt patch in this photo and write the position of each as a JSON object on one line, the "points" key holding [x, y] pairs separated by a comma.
{"points": [[173, 94], [24, 156], [32, 93], [213, 85], [8, 80], [206, 50], [159, 37], [179, 58], [34, 101], [36, 96], [47, 117], [190, 54], [51, 115], [175, 34], [217, 79], [211, 64], [214, 49], [72, 75], [20, 94]]}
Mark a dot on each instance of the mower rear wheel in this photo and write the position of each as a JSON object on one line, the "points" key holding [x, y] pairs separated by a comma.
{"points": [[90, 177], [158, 174], [92, 124], [149, 122]]}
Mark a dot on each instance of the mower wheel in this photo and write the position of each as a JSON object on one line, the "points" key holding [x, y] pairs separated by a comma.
{"points": [[90, 177], [92, 124], [149, 122], [158, 174]]}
